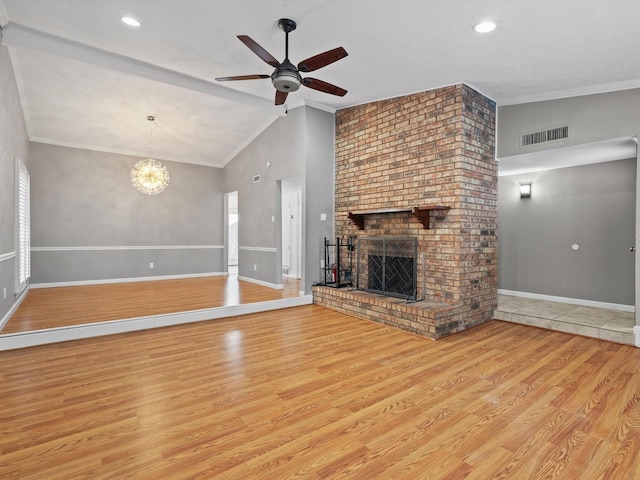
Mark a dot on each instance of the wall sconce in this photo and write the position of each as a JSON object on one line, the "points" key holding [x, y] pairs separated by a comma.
{"points": [[525, 190]]}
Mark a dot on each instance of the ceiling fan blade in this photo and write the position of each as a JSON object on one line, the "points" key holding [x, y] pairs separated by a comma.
{"points": [[242, 77], [281, 97], [258, 50], [324, 87], [322, 60]]}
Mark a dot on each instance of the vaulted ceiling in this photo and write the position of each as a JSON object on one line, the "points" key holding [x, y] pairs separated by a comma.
{"points": [[87, 80]]}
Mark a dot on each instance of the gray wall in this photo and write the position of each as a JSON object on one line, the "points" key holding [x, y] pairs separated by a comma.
{"points": [[282, 144], [90, 224], [13, 142], [637, 235], [300, 143], [591, 118], [592, 206], [319, 193]]}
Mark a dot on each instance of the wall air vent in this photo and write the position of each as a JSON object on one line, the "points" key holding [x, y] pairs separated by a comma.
{"points": [[544, 136]]}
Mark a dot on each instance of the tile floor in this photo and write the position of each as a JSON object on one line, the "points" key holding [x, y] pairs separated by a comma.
{"points": [[611, 325]]}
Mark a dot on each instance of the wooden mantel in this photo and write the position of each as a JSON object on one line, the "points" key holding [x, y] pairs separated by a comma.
{"points": [[422, 213]]}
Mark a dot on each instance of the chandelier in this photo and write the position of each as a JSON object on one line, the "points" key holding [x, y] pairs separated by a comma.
{"points": [[150, 176]]}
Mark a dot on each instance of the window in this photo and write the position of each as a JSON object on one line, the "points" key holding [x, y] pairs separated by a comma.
{"points": [[24, 226]]}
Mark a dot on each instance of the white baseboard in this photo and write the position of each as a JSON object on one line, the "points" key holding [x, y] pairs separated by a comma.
{"points": [[14, 307], [54, 335], [571, 301], [126, 280], [636, 331], [261, 282]]}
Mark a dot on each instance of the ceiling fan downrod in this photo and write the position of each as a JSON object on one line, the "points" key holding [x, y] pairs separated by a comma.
{"points": [[286, 25], [286, 77]]}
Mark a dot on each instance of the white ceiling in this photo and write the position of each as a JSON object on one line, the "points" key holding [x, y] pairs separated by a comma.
{"points": [[87, 80]]}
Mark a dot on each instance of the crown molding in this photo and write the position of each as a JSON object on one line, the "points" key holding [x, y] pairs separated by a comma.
{"points": [[116, 151], [576, 92]]}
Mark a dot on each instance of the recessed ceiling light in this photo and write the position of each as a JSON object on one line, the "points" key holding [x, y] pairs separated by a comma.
{"points": [[485, 27], [130, 21]]}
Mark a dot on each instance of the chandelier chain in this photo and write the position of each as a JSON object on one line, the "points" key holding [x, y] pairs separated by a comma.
{"points": [[151, 119]]}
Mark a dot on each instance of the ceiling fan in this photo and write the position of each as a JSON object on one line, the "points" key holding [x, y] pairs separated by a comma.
{"points": [[286, 76]]}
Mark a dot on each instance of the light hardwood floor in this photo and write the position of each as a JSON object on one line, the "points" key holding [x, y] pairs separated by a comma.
{"points": [[308, 393], [45, 308]]}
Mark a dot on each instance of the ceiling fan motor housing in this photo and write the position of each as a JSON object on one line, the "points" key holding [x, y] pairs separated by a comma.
{"points": [[286, 79]]}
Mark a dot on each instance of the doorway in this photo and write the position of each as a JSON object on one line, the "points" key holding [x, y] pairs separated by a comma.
{"points": [[291, 228], [232, 232]]}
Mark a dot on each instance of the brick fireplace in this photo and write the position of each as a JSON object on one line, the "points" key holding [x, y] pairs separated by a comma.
{"points": [[422, 166]]}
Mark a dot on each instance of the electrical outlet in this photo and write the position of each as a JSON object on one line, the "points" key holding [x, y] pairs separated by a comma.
{"points": [[150, 264], [255, 267]]}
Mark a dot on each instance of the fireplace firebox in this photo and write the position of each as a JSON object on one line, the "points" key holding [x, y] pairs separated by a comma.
{"points": [[387, 265]]}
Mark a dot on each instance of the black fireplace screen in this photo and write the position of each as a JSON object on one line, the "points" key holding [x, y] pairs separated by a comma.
{"points": [[387, 265]]}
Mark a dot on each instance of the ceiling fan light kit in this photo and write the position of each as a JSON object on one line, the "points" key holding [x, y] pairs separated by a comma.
{"points": [[286, 80], [286, 77]]}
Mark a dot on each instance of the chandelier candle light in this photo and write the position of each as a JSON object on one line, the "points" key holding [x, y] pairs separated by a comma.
{"points": [[150, 176]]}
